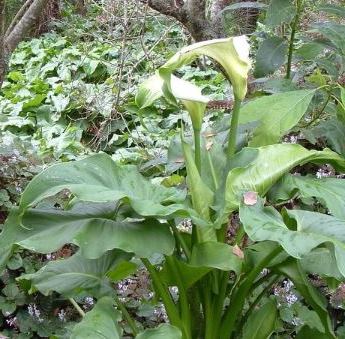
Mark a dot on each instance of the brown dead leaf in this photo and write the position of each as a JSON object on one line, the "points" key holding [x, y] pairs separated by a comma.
{"points": [[209, 134], [209, 145], [250, 198], [179, 160], [238, 252]]}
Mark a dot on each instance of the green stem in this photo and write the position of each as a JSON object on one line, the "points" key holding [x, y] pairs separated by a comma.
{"points": [[292, 37], [127, 316], [213, 172], [218, 303], [77, 307], [222, 233], [197, 319], [237, 302], [254, 304], [197, 149], [233, 128], [261, 280], [208, 314], [169, 304], [239, 235], [185, 311], [183, 244]]}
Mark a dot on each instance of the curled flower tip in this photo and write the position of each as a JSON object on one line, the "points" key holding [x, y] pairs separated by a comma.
{"points": [[242, 47]]}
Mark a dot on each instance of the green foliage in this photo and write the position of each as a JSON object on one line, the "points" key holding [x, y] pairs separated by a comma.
{"points": [[77, 274], [270, 56], [280, 12], [204, 217], [276, 114], [162, 331], [261, 323], [101, 322]]}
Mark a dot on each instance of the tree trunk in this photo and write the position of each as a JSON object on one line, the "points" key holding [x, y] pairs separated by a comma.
{"points": [[194, 16], [25, 23], [18, 29], [2, 36]]}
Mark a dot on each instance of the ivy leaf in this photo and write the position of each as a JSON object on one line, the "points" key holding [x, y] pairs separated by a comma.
{"points": [[60, 102]]}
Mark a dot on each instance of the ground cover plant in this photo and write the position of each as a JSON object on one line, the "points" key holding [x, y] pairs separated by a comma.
{"points": [[200, 224]]}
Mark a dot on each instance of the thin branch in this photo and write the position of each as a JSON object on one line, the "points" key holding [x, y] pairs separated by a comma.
{"points": [[23, 26], [18, 16], [77, 307]]}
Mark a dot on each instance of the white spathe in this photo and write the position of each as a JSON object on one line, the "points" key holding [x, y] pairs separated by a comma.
{"points": [[242, 47]]}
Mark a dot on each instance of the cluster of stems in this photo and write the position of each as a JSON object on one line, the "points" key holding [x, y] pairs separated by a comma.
{"points": [[212, 307]]}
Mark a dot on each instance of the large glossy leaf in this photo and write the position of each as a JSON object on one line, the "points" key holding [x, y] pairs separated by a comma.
{"points": [[76, 274], [165, 331], [232, 54], [330, 191], [268, 166], [313, 229], [307, 332], [321, 261], [99, 179], [292, 269], [270, 56], [189, 274], [261, 323], [6, 237], [100, 323], [277, 114], [90, 226], [216, 255]]}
